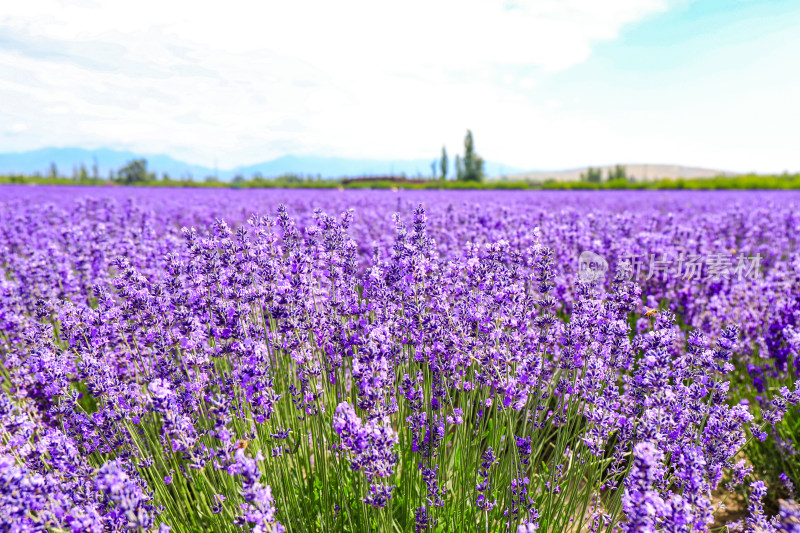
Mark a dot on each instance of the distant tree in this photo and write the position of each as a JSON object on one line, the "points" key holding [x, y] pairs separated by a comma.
{"points": [[258, 177], [83, 174], [238, 178], [290, 177], [135, 171], [434, 172], [211, 179], [165, 177], [443, 164], [472, 164], [619, 172], [95, 169], [53, 172], [459, 167], [592, 175]]}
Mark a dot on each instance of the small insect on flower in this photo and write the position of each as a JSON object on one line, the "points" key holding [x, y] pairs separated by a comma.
{"points": [[651, 312], [242, 444]]}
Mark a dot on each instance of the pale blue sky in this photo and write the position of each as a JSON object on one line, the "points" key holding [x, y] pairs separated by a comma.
{"points": [[715, 82], [543, 84]]}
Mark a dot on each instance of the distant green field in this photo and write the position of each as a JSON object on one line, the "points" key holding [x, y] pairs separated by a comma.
{"points": [[742, 182]]}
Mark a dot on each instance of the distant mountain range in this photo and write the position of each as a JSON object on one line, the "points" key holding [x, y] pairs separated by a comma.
{"points": [[636, 171], [66, 159]]}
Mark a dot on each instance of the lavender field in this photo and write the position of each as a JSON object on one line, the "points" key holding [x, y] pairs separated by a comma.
{"points": [[357, 361]]}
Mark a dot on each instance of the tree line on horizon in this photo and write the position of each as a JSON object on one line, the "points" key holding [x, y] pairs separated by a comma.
{"points": [[469, 173], [595, 175]]}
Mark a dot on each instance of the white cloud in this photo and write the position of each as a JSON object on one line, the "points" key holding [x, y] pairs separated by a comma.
{"points": [[17, 127], [244, 81]]}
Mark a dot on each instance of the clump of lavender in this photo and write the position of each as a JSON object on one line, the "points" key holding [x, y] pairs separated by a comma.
{"points": [[370, 448]]}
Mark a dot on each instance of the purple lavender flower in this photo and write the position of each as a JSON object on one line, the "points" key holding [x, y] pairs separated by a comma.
{"points": [[370, 448], [788, 519]]}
